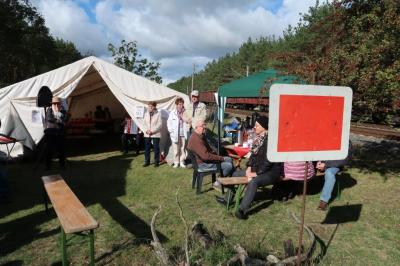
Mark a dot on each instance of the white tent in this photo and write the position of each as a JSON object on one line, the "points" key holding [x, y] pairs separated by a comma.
{"points": [[85, 84]]}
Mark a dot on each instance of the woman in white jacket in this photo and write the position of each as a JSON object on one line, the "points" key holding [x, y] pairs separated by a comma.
{"points": [[178, 133]]}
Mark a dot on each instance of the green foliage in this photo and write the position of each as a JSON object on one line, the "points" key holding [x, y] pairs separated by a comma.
{"points": [[127, 57], [348, 43], [26, 47]]}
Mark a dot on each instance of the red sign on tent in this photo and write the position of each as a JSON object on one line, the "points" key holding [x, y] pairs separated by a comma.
{"points": [[308, 123]]}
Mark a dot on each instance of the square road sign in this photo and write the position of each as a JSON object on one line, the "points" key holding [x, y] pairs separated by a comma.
{"points": [[308, 123]]}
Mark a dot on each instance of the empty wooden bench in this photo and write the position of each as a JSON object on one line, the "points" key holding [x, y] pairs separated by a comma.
{"points": [[240, 182], [73, 216]]}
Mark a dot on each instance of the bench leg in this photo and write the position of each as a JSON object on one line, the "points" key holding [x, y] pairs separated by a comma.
{"points": [[46, 200], [228, 202], [63, 248], [91, 247], [238, 196], [338, 189]]}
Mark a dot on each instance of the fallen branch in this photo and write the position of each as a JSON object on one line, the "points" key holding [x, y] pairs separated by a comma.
{"points": [[160, 251], [244, 259], [186, 228]]}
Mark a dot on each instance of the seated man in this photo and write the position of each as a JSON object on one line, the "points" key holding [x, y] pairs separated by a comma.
{"points": [[331, 168], [260, 171], [206, 157]]}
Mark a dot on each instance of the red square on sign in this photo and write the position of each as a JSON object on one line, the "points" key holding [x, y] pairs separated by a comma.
{"points": [[310, 123]]}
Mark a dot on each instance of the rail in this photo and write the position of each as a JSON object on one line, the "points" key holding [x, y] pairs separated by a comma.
{"points": [[373, 130]]}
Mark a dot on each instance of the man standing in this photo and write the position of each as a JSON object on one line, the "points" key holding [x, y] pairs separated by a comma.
{"points": [[206, 157], [152, 133], [54, 132], [195, 110]]}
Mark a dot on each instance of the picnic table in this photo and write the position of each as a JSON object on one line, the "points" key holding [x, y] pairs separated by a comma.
{"points": [[7, 140], [71, 213]]}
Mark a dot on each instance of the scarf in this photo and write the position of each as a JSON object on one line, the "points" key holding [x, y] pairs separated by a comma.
{"points": [[258, 142]]}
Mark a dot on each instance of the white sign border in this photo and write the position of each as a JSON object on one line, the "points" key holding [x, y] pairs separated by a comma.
{"points": [[313, 90]]}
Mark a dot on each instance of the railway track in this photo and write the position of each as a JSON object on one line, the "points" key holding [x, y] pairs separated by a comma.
{"points": [[378, 131]]}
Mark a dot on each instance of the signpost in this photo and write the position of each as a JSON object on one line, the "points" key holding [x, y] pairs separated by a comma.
{"points": [[308, 123]]}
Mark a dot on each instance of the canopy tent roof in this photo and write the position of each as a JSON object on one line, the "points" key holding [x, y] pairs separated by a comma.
{"points": [[85, 84], [257, 84]]}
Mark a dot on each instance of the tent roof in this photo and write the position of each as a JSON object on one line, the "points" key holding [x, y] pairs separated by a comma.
{"points": [[78, 81], [257, 84]]}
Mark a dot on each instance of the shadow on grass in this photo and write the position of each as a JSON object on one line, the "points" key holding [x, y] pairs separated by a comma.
{"points": [[94, 181], [337, 215], [21, 231], [382, 157], [13, 263]]}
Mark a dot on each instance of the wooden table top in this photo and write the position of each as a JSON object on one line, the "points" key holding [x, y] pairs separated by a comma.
{"points": [[70, 211]]}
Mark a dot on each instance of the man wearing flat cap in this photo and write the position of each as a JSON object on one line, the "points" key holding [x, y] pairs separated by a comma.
{"points": [[195, 110], [55, 132]]}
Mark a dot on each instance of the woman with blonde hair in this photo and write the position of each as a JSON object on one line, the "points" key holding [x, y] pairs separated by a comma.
{"points": [[178, 133]]}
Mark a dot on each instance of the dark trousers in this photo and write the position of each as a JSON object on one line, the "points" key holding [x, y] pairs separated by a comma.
{"points": [[147, 147], [55, 143], [266, 179], [130, 138]]}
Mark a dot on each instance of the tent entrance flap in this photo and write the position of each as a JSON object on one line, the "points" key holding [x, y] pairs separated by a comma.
{"points": [[91, 92]]}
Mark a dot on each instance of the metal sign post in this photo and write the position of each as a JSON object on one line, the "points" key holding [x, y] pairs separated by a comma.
{"points": [[308, 123]]}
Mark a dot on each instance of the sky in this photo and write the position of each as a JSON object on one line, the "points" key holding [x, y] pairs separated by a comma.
{"points": [[176, 33]]}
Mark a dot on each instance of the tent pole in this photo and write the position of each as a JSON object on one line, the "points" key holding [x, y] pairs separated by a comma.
{"points": [[219, 125]]}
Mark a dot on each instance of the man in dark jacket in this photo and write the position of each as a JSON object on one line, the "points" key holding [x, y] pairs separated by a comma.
{"points": [[260, 171], [331, 168], [55, 132]]}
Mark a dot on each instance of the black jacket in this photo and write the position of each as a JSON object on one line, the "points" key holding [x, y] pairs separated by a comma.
{"points": [[260, 164]]}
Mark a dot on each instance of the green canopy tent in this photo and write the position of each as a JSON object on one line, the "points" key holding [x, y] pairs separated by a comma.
{"points": [[255, 85]]}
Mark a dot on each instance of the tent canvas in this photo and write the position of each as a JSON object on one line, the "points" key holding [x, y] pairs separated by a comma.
{"points": [[85, 84]]}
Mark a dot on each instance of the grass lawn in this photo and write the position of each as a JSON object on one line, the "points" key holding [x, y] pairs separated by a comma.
{"points": [[361, 228]]}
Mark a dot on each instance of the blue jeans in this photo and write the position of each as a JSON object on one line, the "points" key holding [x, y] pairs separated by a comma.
{"points": [[330, 179], [156, 146], [226, 166]]}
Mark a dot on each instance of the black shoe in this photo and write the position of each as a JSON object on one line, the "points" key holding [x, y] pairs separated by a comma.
{"points": [[221, 200], [146, 164], [240, 215], [156, 165]]}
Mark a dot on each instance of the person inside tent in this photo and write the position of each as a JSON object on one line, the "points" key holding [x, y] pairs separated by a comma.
{"points": [[54, 132], [130, 134], [152, 133]]}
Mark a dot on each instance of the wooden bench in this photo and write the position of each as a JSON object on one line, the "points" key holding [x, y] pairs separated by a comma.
{"points": [[73, 216], [240, 182]]}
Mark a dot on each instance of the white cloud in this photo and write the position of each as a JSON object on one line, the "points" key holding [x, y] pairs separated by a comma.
{"points": [[176, 33], [67, 20]]}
